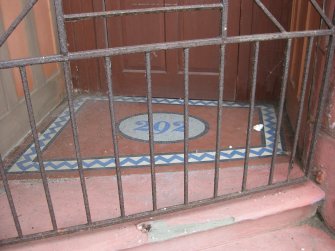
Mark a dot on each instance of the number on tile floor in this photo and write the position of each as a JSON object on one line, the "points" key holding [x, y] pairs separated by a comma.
{"points": [[160, 126]]}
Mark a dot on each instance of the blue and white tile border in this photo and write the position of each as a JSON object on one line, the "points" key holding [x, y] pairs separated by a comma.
{"points": [[26, 163]]}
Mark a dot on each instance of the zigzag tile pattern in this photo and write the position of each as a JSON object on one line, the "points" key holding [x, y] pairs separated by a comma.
{"points": [[26, 163]]}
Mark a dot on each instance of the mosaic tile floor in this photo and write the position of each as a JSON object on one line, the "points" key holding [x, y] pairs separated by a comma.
{"points": [[96, 142]]}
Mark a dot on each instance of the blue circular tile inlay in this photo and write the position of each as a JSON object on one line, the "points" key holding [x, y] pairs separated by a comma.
{"points": [[167, 127]]}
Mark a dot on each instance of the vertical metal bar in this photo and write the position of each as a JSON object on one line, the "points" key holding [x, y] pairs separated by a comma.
{"points": [[301, 105], [61, 27], [224, 30], [108, 72], [69, 91], [151, 131], [106, 33], [321, 104], [37, 145], [251, 114], [186, 121], [224, 18], [219, 121], [10, 198], [281, 109]]}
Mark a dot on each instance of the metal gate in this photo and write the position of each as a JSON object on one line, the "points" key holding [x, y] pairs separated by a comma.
{"points": [[64, 57]]}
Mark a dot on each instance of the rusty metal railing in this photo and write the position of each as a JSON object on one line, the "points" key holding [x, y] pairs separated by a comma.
{"points": [[64, 57]]}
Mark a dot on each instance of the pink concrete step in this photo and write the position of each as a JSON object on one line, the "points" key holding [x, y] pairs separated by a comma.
{"points": [[66, 195], [217, 225], [297, 238]]}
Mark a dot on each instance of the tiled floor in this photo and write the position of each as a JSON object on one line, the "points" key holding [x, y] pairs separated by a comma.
{"points": [[95, 136]]}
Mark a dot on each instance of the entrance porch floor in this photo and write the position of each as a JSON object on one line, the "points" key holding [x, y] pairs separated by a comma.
{"points": [[96, 145]]}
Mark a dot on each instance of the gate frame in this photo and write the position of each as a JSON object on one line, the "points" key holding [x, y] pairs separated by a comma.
{"points": [[65, 57]]}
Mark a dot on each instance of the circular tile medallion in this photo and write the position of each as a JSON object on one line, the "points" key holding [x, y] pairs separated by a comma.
{"points": [[167, 127]]}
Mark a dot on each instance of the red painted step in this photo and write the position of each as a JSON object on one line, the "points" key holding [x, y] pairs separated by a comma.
{"points": [[217, 225]]}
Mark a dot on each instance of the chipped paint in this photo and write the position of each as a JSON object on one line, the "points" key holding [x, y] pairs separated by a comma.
{"points": [[161, 231]]}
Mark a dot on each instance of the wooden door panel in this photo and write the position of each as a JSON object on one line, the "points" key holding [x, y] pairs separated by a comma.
{"points": [[167, 67], [304, 17], [204, 61], [142, 29], [129, 70], [199, 25], [82, 36], [272, 53], [301, 13]]}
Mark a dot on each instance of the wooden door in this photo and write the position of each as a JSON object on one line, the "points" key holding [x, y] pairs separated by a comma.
{"points": [[167, 66], [272, 53], [304, 17]]}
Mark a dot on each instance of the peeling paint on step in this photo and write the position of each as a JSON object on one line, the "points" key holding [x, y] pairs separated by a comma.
{"points": [[161, 231]]}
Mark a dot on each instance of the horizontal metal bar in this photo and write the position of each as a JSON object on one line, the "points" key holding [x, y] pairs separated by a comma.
{"points": [[191, 44], [269, 15], [162, 211], [278, 36], [31, 61], [113, 13], [322, 14], [161, 46], [4, 36]]}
